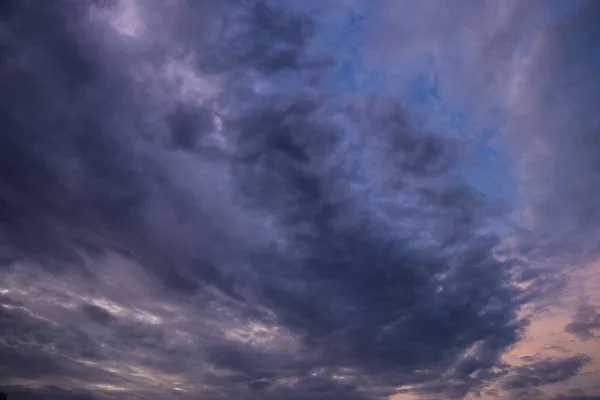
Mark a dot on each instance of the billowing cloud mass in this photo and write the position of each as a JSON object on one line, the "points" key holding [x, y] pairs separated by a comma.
{"points": [[195, 203]]}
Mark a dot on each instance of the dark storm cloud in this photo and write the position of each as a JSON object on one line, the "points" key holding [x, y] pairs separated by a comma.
{"points": [[346, 235], [277, 40], [544, 372], [80, 112], [188, 124], [367, 294]]}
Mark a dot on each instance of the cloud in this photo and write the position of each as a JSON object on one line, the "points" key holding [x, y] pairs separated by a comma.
{"points": [[181, 211], [34, 348], [557, 173], [544, 372], [573, 394], [51, 393], [513, 59], [585, 321]]}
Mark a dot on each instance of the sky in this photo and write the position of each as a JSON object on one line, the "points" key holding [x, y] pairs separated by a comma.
{"points": [[300, 200]]}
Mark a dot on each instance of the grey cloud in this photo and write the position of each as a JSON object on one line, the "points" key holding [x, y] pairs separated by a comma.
{"points": [[468, 374], [585, 321], [529, 393], [106, 179], [51, 393], [572, 394], [558, 349], [370, 318], [557, 109], [473, 57], [348, 233], [544, 372], [536, 62], [188, 125], [22, 328], [277, 40], [86, 345], [98, 314]]}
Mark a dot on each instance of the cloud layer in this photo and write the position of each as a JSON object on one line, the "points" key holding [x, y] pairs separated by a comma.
{"points": [[188, 207]]}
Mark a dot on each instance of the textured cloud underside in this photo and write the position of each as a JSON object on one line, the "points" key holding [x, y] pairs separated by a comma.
{"points": [[184, 208]]}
